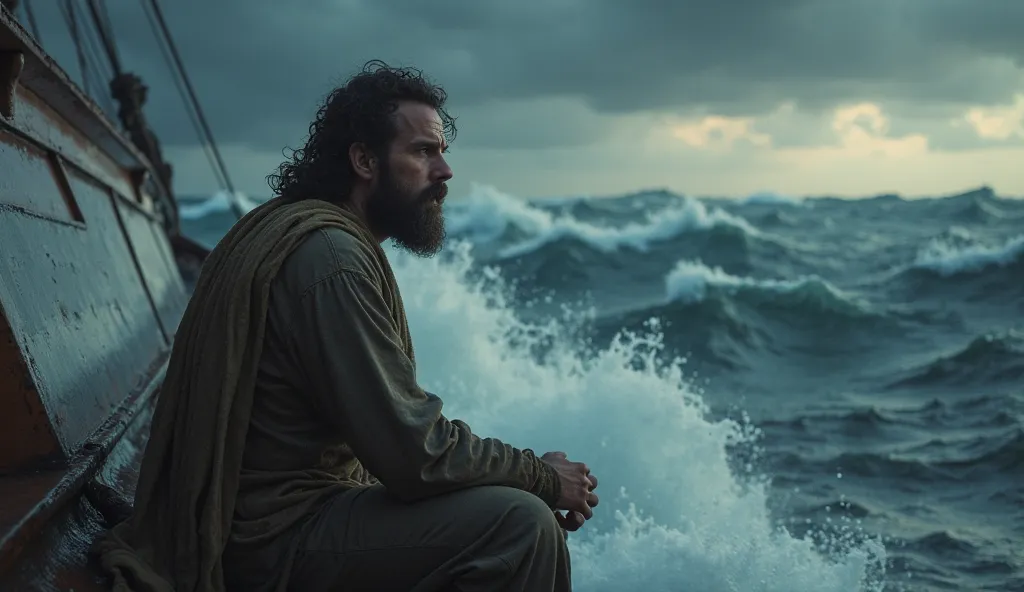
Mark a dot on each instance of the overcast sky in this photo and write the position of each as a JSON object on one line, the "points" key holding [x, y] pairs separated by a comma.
{"points": [[598, 97]]}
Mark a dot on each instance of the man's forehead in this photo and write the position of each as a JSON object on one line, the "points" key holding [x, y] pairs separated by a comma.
{"points": [[413, 118]]}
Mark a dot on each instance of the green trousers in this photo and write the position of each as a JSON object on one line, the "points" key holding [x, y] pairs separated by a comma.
{"points": [[477, 539]]}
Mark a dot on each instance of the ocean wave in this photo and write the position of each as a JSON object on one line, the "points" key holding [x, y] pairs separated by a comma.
{"points": [[863, 465], [712, 334], [219, 202], [981, 210], [1001, 452], [692, 281], [950, 458], [618, 208], [995, 357], [991, 568], [777, 218], [771, 198], [990, 411], [836, 507], [984, 412], [981, 206], [858, 422], [725, 321], [629, 410], [488, 215], [942, 542], [960, 254]]}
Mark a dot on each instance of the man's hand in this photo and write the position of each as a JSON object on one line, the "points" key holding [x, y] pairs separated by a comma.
{"points": [[578, 498], [570, 522]]}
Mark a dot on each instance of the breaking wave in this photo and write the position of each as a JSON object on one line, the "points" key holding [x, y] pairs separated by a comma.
{"points": [[772, 198], [219, 203], [676, 515], [692, 281], [960, 254], [488, 215]]}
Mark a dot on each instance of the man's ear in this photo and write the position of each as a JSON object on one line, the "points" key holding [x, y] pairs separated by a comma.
{"points": [[363, 161]]}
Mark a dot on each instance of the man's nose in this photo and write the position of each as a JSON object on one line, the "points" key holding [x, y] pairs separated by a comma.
{"points": [[442, 172]]}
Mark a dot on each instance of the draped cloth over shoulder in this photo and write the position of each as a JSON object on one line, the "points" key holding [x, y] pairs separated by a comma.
{"points": [[189, 477]]}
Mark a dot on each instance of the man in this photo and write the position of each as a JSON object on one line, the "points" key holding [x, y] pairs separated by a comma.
{"points": [[350, 477], [336, 387]]}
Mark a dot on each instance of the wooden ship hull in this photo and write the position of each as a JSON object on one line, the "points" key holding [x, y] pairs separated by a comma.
{"points": [[94, 278]]}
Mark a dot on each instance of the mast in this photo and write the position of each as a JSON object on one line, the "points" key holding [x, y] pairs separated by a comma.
{"points": [[131, 94]]}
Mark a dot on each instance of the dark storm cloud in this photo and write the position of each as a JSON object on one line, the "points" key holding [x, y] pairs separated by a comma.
{"points": [[260, 66]]}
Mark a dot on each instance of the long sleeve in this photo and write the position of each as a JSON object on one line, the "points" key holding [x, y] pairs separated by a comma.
{"points": [[365, 385]]}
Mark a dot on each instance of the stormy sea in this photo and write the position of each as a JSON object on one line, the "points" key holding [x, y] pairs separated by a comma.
{"points": [[777, 394]]}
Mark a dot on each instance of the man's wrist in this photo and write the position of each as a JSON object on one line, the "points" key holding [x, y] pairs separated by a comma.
{"points": [[547, 486]]}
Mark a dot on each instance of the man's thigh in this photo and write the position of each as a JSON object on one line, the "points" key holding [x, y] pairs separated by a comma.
{"points": [[368, 540]]}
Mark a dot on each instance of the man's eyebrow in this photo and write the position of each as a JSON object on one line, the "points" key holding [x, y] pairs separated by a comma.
{"points": [[428, 142]]}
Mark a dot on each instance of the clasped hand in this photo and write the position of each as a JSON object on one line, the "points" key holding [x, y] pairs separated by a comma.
{"points": [[577, 499]]}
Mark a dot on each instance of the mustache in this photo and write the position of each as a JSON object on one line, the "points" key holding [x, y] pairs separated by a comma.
{"points": [[435, 192]]}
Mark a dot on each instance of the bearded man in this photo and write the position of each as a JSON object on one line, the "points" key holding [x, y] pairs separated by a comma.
{"points": [[292, 447]]}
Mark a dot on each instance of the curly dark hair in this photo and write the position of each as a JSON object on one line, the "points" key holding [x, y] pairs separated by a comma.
{"points": [[358, 111]]}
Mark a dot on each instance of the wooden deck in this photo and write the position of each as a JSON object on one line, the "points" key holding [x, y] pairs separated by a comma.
{"points": [[90, 297], [50, 552]]}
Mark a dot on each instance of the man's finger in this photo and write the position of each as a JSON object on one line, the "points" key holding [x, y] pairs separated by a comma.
{"points": [[592, 500], [571, 522], [593, 482]]}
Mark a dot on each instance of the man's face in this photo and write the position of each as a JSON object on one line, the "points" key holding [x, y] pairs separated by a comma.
{"points": [[406, 202]]}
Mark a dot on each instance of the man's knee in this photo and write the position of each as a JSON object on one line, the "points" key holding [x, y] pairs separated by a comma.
{"points": [[527, 514]]}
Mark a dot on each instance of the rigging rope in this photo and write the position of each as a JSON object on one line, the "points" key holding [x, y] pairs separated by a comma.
{"points": [[90, 66], [32, 20], [105, 37], [189, 110], [67, 10], [101, 68], [195, 102]]}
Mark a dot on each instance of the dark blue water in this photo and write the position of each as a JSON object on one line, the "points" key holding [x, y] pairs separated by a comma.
{"points": [[877, 344]]}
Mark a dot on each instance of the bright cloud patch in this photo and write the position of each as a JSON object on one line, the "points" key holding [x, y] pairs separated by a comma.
{"points": [[998, 123]]}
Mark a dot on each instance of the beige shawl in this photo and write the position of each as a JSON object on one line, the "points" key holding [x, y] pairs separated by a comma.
{"points": [[190, 472]]}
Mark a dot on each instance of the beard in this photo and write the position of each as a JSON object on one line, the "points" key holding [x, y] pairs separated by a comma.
{"points": [[414, 221]]}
